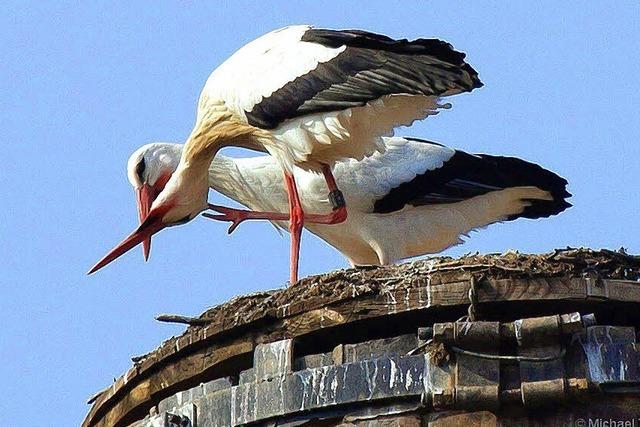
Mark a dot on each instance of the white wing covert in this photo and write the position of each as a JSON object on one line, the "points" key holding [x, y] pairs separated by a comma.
{"points": [[375, 176]]}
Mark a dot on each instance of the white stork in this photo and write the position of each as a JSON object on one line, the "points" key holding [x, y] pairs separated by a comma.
{"points": [[417, 197], [309, 97]]}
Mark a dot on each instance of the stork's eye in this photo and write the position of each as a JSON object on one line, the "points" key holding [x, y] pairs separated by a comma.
{"points": [[140, 169]]}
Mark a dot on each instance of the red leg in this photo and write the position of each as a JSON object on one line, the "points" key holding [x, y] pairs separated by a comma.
{"points": [[296, 222], [296, 215], [328, 176]]}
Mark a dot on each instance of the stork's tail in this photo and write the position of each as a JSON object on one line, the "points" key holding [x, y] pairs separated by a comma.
{"points": [[510, 172]]}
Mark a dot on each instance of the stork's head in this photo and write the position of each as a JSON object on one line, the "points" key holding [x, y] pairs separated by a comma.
{"points": [[164, 198], [149, 169]]}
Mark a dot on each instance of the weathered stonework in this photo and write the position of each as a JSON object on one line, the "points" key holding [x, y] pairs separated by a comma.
{"points": [[386, 346]]}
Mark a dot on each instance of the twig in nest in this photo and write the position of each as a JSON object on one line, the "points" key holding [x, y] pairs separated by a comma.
{"points": [[94, 397], [176, 318]]}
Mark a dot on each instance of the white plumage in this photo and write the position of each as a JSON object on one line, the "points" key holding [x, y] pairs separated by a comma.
{"points": [[367, 237], [247, 77]]}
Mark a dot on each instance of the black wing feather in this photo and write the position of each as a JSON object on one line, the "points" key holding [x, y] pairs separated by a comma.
{"points": [[465, 176], [370, 67]]}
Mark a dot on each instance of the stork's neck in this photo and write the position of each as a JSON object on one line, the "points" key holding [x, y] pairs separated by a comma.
{"points": [[215, 129]]}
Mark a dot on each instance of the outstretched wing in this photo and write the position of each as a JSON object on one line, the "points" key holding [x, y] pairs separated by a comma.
{"points": [[299, 70]]}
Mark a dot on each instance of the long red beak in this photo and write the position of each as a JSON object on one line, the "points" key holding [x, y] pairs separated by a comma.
{"points": [[145, 196], [151, 225]]}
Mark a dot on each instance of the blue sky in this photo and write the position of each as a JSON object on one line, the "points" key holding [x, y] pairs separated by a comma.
{"points": [[84, 84]]}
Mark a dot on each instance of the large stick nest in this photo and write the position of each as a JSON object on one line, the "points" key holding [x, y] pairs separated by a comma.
{"points": [[569, 262]]}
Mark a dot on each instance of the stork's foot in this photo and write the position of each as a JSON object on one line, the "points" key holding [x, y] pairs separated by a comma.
{"points": [[237, 216]]}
